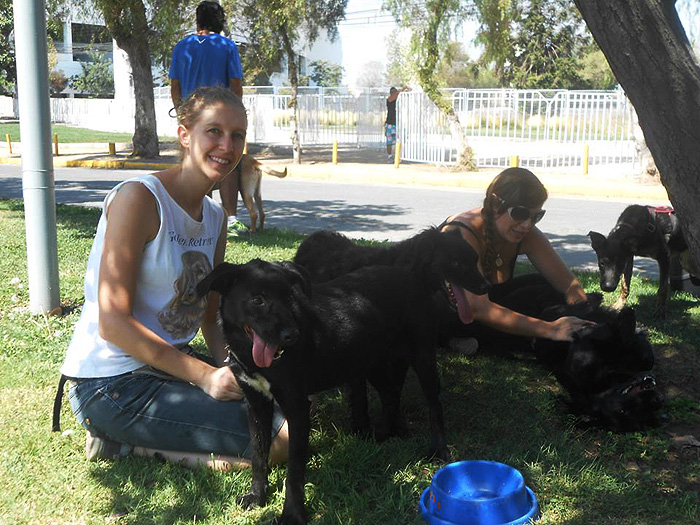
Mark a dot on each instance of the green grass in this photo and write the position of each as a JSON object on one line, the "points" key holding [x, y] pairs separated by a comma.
{"points": [[496, 408], [71, 134]]}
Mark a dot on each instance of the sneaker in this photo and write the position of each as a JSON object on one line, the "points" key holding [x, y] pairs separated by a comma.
{"points": [[390, 159], [97, 448], [236, 226], [463, 345]]}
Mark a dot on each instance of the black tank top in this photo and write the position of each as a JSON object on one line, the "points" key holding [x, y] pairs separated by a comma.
{"points": [[391, 112], [471, 230]]}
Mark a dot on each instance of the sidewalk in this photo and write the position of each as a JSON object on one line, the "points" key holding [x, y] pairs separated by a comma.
{"points": [[368, 166]]}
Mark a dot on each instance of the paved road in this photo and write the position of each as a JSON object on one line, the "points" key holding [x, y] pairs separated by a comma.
{"points": [[375, 211]]}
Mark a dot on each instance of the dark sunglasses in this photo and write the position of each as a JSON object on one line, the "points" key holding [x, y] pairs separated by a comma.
{"points": [[521, 213]]}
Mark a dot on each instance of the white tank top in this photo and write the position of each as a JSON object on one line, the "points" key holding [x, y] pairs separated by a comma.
{"points": [[165, 301]]}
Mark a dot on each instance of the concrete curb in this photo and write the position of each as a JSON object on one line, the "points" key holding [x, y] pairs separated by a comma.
{"points": [[557, 184], [74, 162]]}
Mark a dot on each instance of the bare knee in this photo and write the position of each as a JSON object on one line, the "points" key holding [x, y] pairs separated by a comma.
{"points": [[279, 449]]}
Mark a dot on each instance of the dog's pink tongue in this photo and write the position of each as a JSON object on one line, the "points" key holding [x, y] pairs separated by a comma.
{"points": [[463, 309], [263, 353]]}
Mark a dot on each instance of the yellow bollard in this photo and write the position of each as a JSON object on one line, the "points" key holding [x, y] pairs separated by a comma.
{"points": [[334, 157], [55, 144], [397, 155], [112, 148], [585, 159], [9, 142], [514, 161], [245, 148]]}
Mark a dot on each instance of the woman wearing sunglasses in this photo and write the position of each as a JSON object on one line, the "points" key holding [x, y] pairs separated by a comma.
{"points": [[499, 231]]}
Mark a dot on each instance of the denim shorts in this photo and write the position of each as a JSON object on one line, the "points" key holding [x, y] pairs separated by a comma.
{"points": [[167, 414]]}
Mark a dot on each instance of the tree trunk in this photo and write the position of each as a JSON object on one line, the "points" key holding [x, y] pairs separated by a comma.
{"points": [[132, 37], [426, 75], [465, 156], [294, 82], [651, 57]]}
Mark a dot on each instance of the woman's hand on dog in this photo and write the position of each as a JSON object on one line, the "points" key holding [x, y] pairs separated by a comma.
{"points": [[564, 328], [221, 384]]}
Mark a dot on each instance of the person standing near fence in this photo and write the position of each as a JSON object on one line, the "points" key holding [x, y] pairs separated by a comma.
{"points": [[208, 58], [390, 122]]}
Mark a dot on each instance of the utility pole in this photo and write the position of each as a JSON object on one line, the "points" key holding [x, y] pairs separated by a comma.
{"points": [[38, 190]]}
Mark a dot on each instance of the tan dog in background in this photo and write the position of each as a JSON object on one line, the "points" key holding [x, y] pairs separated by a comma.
{"points": [[249, 172]]}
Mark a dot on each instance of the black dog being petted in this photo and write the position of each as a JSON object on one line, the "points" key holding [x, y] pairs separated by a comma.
{"points": [[289, 339], [606, 369], [645, 231]]}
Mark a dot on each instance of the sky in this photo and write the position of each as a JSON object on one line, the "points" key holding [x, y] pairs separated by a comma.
{"points": [[363, 36], [366, 27]]}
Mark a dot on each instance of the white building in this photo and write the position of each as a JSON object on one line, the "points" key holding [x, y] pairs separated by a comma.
{"points": [[79, 31]]}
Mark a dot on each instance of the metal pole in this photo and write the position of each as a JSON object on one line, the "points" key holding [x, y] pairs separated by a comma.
{"points": [[31, 54]]}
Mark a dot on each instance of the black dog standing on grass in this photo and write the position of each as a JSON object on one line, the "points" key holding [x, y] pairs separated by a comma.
{"points": [[430, 254], [288, 339], [645, 231]]}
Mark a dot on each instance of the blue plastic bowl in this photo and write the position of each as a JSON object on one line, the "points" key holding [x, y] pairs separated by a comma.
{"points": [[478, 493]]}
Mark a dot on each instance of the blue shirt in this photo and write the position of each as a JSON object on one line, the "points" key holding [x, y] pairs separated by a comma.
{"points": [[205, 60]]}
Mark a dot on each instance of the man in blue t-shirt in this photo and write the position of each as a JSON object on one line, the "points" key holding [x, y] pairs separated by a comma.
{"points": [[209, 59], [206, 58]]}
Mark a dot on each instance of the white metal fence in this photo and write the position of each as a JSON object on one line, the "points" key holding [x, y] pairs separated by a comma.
{"points": [[543, 128]]}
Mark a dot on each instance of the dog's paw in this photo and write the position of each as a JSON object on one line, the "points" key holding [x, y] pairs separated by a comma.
{"points": [[659, 313], [251, 500], [391, 429], [292, 519], [363, 432], [439, 454]]}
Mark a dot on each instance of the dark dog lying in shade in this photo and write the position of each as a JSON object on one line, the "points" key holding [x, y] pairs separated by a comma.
{"points": [[289, 339], [606, 369]]}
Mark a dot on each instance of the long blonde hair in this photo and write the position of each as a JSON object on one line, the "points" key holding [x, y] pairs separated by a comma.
{"points": [[511, 187]]}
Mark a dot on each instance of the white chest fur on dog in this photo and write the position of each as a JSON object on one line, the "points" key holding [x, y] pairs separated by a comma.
{"points": [[255, 381]]}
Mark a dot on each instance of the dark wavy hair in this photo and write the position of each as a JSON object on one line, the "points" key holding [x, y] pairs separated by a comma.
{"points": [[511, 187], [210, 15]]}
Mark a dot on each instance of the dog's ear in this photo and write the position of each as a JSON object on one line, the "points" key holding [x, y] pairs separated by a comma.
{"points": [[594, 299], [299, 276], [218, 280], [597, 240]]}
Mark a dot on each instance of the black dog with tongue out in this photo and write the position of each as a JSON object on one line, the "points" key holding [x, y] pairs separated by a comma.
{"points": [[289, 339]]}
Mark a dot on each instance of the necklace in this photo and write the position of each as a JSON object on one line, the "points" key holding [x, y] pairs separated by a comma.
{"points": [[498, 261]]}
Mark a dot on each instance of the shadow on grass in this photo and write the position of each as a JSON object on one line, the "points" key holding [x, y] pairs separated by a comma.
{"points": [[144, 491], [499, 409]]}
